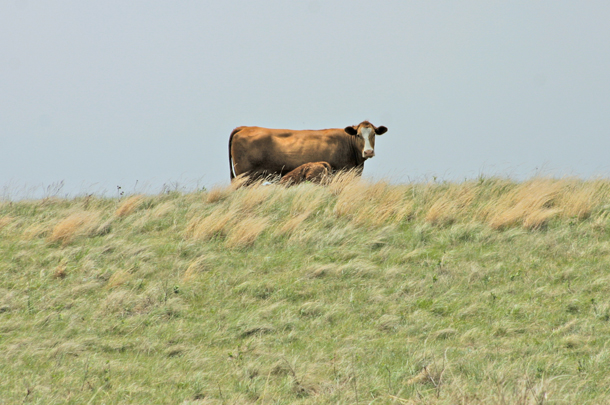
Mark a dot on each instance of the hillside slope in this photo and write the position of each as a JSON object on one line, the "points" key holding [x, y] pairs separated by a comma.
{"points": [[490, 291]]}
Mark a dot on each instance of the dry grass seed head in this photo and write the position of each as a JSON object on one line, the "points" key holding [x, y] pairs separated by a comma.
{"points": [[77, 224], [129, 205]]}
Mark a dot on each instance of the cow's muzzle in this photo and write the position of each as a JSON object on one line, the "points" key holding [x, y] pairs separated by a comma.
{"points": [[369, 153]]}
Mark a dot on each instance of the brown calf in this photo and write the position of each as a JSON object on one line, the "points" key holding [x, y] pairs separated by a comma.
{"points": [[315, 172]]}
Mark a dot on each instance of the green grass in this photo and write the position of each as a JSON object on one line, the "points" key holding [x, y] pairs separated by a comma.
{"points": [[351, 293]]}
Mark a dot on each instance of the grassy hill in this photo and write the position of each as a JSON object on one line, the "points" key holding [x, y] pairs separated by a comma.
{"points": [[487, 291]]}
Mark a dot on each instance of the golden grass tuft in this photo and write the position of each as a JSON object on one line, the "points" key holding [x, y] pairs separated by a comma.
{"points": [[307, 198], [444, 334], [215, 223], [238, 222], [539, 218], [5, 221], [448, 208], [247, 200], [218, 193], [579, 198], [323, 270], [36, 230], [293, 223], [76, 224], [240, 181], [118, 278], [342, 179], [129, 206], [163, 209], [197, 266], [529, 203], [246, 231], [388, 322], [119, 301], [536, 202], [431, 374], [372, 203]]}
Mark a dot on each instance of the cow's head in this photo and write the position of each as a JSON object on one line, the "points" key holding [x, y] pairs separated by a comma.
{"points": [[365, 136]]}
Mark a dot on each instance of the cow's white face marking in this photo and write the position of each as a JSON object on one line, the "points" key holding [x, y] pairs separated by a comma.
{"points": [[368, 150]]}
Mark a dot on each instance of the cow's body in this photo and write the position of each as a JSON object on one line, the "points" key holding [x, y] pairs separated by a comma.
{"points": [[314, 172], [257, 152]]}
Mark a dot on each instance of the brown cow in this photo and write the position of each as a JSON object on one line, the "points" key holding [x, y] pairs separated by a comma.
{"points": [[315, 172], [258, 152]]}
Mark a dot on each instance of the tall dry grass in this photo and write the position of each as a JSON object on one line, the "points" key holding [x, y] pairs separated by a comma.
{"points": [[218, 193], [76, 224], [239, 222], [451, 205], [246, 231], [129, 205], [215, 223], [5, 221], [372, 204], [240, 215], [501, 203], [307, 200], [532, 204]]}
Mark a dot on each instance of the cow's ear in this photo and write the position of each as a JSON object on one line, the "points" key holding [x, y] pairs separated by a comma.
{"points": [[381, 130], [351, 130]]}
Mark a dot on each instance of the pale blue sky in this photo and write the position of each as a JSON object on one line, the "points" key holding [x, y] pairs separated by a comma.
{"points": [[100, 94]]}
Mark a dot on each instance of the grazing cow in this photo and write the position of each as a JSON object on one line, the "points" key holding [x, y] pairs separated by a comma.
{"points": [[315, 172], [258, 152]]}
